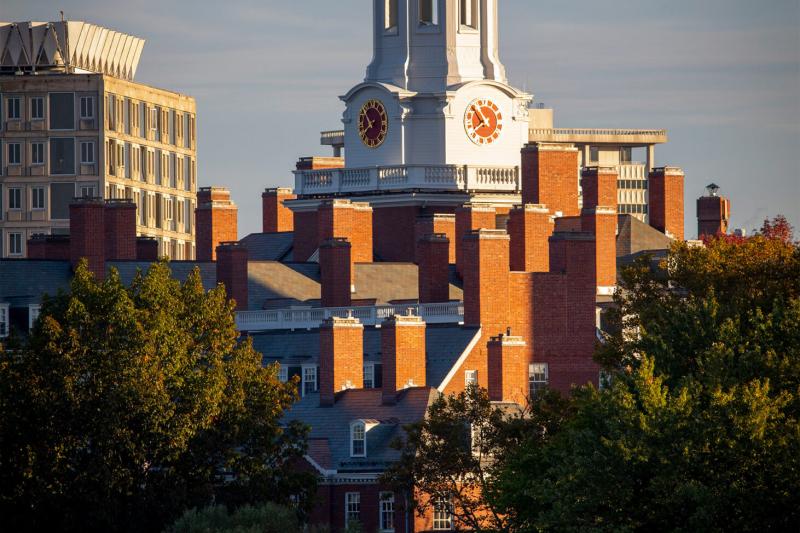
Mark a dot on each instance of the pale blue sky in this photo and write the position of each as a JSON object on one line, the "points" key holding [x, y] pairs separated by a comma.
{"points": [[723, 76]]}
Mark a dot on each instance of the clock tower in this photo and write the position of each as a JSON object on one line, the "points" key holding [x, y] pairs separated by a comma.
{"points": [[435, 93]]}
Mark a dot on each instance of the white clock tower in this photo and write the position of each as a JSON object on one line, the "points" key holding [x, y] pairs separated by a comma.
{"points": [[436, 95]]}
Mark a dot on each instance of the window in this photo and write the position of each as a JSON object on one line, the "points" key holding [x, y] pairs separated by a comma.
{"points": [[62, 111], [87, 106], [283, 373], [470, 378], [15, 244], [87, 152], [625, 154], [538, 378], [3, 320], [37, 198], [13, 109], [153, 118], [390, 18], [605, 380], [469, 13], [33, 314], [14, 153], [387, 512], [352, 508], [62, 155], [358, 440], [594, 154], [37, 154], [309, 379], [369, 376], [37, 108], [15, 198], [428, 12], [88, 191], [442, 515]]}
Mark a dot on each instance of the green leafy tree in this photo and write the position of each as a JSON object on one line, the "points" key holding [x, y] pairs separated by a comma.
{"points": [[128, 405], [264, 518]]}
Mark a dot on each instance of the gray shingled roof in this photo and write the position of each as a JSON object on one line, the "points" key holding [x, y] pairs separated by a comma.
{"points": [[23, 282], [444, 344], [635, 236], [269, 246], [330, 426], [180, 271]]}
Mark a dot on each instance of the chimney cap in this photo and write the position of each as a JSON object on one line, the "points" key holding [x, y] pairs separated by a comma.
{"points": [[434, 237], [278, 190], [712, 189], [488, 234]]}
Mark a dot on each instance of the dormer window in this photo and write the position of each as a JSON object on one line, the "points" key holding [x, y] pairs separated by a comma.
{"points": [[428, 12], [469, 14], [358, 439], [390, 18]]}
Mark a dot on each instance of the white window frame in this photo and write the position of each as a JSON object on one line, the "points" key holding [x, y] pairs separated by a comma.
{"points": [[16, 205], [386, 512], [442, 515], [4, 320], [14, 250], [38, 193], [470, 378], [309, 371], [536, 382], [358, 434], [17, 159], [33, 314], [40, 159], [14, 103], [352, 507], [283, 373], [89, 107], [369, 375], [86, 188], [34, 101], [153, 119], [87, 160]]}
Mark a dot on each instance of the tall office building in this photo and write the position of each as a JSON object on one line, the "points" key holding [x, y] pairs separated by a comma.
{"points": [[73, 123]]}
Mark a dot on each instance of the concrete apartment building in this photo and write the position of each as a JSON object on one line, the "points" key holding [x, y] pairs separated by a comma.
{"points": [[73, 123]]}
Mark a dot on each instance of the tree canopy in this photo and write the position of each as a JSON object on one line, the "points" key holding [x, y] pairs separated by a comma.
{"points": [[128, 405]]}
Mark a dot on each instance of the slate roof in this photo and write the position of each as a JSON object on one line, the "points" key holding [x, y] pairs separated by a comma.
{"points": [[180, 271], [329, 444], [635, 236], [444, 344], [269, 246], [24, 281]]}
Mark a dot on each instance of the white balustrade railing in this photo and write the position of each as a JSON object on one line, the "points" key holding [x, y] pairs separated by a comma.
{"points": [[309, 318], [581, 132], [408, 177]]}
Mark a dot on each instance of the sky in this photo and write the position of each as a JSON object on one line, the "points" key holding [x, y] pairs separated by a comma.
{"points": [[722, 76]]}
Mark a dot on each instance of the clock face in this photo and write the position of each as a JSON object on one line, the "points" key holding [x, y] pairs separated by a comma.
{"points": [[483, 121], [373, 123]]}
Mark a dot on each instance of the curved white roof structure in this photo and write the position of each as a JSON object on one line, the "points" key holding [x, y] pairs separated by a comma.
{"points": [[68, 47]]}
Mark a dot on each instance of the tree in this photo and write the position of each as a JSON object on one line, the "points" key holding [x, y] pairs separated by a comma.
{"points": [[264, 518], [778, 228], [128, 405], [699, 431]]}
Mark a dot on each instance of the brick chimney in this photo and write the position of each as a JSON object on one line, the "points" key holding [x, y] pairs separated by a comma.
{"points": [[434, 268], [530, 227], [599, 186], [341, 357], [347, 220], [146, 249], [713, 213], [319, 163], [403, 355], [336, 273], [276, 216], [550, 177], [216, 219], [305, 235], [602, 223], [87, 234], [508, 369], [486, 279], [471, 217], [120, 232], [232, 272], [666, 201], [50, 247], [444, 223]]}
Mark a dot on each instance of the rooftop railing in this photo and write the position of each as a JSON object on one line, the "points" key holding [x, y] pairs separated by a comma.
{"points": [[599, 135]]}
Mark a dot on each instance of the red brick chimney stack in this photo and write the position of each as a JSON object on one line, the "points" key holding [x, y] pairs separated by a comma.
{"points": [[120, 230], [87, 234], [49, 247], [486, 279], [508, 369], [602, 223], [146, 249], [276, 216], [666, 201], [434, 268], [341, 357], [336, 266], [403, 355], [550, 177], [232, 272], [216, 220], [344, 219], [530, 227], [713, 213], [599, 186], [471, 217], [441, 223]]}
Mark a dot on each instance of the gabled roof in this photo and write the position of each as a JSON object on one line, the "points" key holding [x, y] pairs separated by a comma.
{"points": [[269, 246], [635, 236]]}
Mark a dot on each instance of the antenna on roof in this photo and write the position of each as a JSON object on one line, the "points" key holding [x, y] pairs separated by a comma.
{"points": [[62, 16]]}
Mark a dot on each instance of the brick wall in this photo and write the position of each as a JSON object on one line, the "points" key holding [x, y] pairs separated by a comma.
{"points": [[529, 228], [394, 239], [441, 223], [434, 268], [147, 249], [403, 355], [508, 369], [216, 221], [232, 272], [666, 201], [120, 230], [599, 186], [602, 223], [470, 217], [50, 247], [550, 177], [305, 235], [347, 220], [336, 271], [713, 213], [319, 163], [341, 357], [87, 235], [276, 216], [486, 279]]}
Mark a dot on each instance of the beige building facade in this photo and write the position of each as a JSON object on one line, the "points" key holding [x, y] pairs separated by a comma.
{"points": [[73, 123]]}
